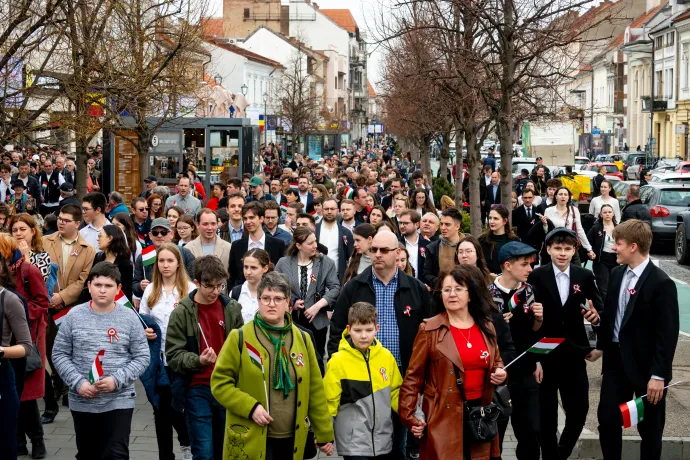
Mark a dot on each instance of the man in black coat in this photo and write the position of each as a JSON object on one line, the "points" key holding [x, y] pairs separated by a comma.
{"points": [[492, 194], [255, 237], [415, 243], [336, 238], [396, 186], [638, 338], [598, 179], [634, 209], [568, 294], [524, 218], [30, 182]]}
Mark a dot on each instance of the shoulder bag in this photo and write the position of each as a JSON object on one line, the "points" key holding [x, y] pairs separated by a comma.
{"points": [[34, 360], [480, 421]]}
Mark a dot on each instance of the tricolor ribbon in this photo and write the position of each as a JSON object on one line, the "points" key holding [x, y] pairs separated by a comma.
{"points": [[384, 374], [112, 332], [313, 278], [576, 288], [407, 310], [300, 360]]}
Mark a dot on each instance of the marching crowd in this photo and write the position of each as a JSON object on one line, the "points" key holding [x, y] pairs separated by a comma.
{"points": [[325, 303]]}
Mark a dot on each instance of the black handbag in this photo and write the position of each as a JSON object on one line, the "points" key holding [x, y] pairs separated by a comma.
{"points": [[480, 421], [503, 402]]}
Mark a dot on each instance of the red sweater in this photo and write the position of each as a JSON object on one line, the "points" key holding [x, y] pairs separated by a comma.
{"points": [[475, 360]]}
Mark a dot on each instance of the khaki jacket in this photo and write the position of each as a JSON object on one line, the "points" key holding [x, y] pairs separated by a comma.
{"points": [[431, 371], [71, 277], [222, 250]]}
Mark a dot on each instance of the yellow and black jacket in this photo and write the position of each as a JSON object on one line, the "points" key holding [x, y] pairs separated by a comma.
{"points": [[361, 391]]}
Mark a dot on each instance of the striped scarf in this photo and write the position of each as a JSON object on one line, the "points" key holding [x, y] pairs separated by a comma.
{"points": [[281, 375]]}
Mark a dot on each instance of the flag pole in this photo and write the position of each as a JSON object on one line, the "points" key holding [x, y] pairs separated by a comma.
{"points": [[507, 365], [203, 335], [667, 386], [266, 391]]}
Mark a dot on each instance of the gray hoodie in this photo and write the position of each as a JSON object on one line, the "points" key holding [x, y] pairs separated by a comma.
{"points": [[82, 334]]}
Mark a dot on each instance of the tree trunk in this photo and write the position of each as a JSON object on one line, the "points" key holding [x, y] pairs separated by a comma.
{"points": [[445, 154], [459, 192], [425, 154], [474, 166]]}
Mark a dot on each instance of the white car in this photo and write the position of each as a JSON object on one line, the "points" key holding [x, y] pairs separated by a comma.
{"points": [[673, 178]]}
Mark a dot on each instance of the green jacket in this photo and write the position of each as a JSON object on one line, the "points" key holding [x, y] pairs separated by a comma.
{"points": [[182, 343], [238, 384]]}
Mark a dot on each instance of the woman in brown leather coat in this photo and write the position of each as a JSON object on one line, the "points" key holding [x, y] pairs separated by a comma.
{"points": [[461, 335]]}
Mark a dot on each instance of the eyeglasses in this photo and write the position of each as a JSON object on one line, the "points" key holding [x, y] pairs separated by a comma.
{"points": [[142, 209], [183, 228], [466, 251], [276, 300], [458, 290], [211, 287], [84, 208], [162, 232], [384, 251], [400, 222], [65, 221]]}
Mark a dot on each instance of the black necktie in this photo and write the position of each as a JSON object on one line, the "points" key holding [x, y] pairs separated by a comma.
{"points": [[303, 281], [529, 213]]}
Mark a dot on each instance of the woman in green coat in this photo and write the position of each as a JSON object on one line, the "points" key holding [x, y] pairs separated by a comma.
{"points": [[267, 377]]}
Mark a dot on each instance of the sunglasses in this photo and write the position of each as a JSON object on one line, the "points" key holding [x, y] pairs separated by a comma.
{"points": [[162, 232], [384, 251]]}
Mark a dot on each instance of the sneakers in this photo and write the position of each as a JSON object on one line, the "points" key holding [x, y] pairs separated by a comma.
{"points": [[186, 452]]}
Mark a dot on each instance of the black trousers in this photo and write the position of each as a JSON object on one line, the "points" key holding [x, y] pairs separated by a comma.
{"points": [[524, 396], [29, 422], [103, 436], [602, 270], [616, 389], [166, 418], [279, 448], [54, 386], [566, 374]]}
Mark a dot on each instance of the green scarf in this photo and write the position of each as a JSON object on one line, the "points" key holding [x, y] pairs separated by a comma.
{"points": [[281, 375]]}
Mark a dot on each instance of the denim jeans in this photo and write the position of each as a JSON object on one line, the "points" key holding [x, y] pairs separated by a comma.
{"points": [[9, 410], [206, 423]]}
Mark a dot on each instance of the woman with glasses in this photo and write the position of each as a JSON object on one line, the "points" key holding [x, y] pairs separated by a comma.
{"points": [[498, 234], [420, 202], [361, 259], [645, 177], [600, 236], [470, 252], [170, 283], [314, 281], [270, 368], [186, 229], [155, 204], [608, 196], [460, 339]]}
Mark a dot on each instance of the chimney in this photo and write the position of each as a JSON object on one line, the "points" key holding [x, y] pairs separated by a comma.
{"points": [[316, 6]]}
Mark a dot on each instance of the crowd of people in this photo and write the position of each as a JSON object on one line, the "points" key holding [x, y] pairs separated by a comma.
{"points": [[324, 303]]}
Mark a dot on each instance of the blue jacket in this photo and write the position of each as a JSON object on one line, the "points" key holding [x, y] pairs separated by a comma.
{"points": [[118, 209], [155, 375]]}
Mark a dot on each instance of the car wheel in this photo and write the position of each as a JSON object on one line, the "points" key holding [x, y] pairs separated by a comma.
{"points": [[682, 253]]}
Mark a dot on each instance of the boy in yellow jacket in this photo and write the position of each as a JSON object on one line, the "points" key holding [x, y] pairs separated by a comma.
{"points": [[362, 384]]}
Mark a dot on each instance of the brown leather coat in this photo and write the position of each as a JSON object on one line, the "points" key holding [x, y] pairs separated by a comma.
{"points": [[431, 371]]}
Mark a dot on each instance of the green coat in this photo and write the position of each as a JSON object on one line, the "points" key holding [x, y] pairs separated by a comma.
{"points": [[238, 385]]}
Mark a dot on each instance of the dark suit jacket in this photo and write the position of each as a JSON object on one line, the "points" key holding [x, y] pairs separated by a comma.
{"points": [[421, 256], [489, 196], [523, 225], [310, 202], [32, 187], [274, 247], [345, 248], [387, 202], [565, 321], [649, 331]]}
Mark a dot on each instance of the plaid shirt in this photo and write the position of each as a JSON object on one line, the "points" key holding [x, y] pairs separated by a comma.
{"points": [[388, 335]]}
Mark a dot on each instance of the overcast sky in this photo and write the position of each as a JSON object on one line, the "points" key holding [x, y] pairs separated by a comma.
{"points": [[365, 13]]}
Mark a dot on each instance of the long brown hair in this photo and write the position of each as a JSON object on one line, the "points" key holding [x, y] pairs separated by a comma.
{"points": [[299, 236], [408, 268], [428, 206], [181, 277], [487, 236], [365, 231], [149, 202], [481, 262], [129, 231], [189, 220], [36, 242]]}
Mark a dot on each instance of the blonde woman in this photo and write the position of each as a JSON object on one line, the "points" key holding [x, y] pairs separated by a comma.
{"points": [[169, 284]]}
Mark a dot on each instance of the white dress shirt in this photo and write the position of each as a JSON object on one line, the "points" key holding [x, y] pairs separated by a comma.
{"points": [[563, 282], [630, 278], [90, 234], [304, 199], [249, 304], [261, 244], [413, 251], [329, 238]]}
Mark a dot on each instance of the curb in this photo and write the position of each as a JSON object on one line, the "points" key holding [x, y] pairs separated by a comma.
{"points": [[672, 448]]}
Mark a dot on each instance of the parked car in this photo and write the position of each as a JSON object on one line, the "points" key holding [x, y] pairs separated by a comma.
{"points": [[611, 169], [634, 163], [673, 178], [580, 161], [621, 189], [665, 201], [683, 167], [682, 241]]}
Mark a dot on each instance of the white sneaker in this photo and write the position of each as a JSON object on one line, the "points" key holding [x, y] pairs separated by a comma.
{"points": [[186, 452]]}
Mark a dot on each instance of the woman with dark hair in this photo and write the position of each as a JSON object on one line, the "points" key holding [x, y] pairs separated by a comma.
{"points": [[319, 191], [565, 214], [420, 202], [186, 229], [155, 204], [124, 222], [600, 236], [256, 263], [469, 252], [378, 214], [30, 284], [459, 342], [363, 235], [314, 282], [218, 192], [498, 234], [608, 196], [403, 260], [113, 248]]}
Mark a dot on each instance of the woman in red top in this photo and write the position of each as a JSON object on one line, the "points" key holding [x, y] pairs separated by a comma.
{"points": [[218, 193], [461, 336]]}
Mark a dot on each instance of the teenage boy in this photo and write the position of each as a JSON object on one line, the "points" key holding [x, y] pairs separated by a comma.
{"points": [[100, 351], [569, 295], [638, 338], [93, 207], [525, 317], [197, 330], [440, 255], [369, 411]]}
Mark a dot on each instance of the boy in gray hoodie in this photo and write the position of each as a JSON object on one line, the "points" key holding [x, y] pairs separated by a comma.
{"points": [[99, 352]]}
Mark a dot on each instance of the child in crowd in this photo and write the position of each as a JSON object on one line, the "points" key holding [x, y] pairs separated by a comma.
{"points": [[365, 375], [99, 352]]}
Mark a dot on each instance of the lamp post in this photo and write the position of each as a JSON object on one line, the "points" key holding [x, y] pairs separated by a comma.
{"points": [[244, 90], [265, 96], [218, 79]]}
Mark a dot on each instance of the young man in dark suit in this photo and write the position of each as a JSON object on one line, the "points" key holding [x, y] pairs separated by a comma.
{"points": [[336, 238], [569, 295], [255, 237], [415, 243], [637, 337], [524, 217], [492, 193]]}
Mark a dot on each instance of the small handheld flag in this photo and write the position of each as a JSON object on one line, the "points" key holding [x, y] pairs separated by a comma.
{"points": [[633, 410], [96, 372], [543, 347], [121, 299], [148, 256], [203, 335], [255, 358], [142, 240], [59, 317], [348, 192]]}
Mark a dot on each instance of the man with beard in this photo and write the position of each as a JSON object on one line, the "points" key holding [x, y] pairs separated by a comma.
{"points": [[440, 255]]}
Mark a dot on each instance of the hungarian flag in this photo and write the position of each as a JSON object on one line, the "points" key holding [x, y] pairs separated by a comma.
{"points": [[348, 192], [294, 185], [148, 255], [545, 346], [284, 208], [633, 412], [96, 371], [59, 317], [255, 356], [121, 299], [142, 239]]}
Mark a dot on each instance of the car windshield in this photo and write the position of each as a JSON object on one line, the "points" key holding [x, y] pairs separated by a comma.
{"points": [[611, 168], [620, 188], [672, 197], [581, 161], [676, 180]]}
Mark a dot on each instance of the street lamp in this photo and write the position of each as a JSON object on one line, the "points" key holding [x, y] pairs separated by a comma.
{"points": [[265, 96], [218, 79], [244, 89]]}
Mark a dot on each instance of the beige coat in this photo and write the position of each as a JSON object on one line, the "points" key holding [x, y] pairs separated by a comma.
{"points": [[72, 276], [222, 250]]}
